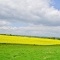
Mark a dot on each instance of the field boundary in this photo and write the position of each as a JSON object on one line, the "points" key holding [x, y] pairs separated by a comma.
{"points": [[27, 44]]}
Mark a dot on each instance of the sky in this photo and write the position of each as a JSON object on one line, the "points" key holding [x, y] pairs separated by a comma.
{"points": [[30, 17]]}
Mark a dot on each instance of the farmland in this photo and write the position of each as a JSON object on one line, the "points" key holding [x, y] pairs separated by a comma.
{"points": [[28, 48], [28, 40], [29, 52]]}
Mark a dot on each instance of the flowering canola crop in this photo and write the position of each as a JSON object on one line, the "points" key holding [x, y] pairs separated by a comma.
{"points": [[28, 40]]}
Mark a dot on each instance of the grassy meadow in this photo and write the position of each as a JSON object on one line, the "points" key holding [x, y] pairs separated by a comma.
{"points": [[28, 48], [29, 52]]}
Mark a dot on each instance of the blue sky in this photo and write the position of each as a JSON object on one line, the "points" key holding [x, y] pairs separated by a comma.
{"points": [[30, 17], [56, 4]]}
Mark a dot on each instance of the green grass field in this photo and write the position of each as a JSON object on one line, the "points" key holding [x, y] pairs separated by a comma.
{"points": [[29, 52]]}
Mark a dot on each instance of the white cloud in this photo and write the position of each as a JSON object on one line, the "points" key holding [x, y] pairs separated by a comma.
{"points": [[43, 18], [32, 11], [33, 30], [4, 23]]}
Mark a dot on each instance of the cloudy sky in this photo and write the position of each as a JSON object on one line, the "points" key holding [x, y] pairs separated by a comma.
{"points": [[30, 17]]}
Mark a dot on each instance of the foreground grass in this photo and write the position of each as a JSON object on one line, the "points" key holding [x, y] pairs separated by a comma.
{"points": [[28, 40], [29, 52]]}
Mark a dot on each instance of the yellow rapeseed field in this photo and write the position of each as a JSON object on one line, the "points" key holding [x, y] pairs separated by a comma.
{"points": [[27, 40]]}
